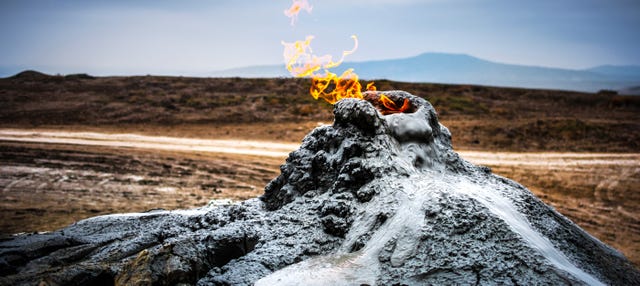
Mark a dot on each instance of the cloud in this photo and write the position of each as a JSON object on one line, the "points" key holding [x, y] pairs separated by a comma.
{"points": [[388, 2]]}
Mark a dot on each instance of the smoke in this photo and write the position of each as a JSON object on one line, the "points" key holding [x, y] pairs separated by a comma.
{"points": [[296, 7]]}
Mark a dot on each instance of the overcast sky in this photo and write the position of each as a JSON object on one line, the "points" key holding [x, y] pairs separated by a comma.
{"points": [[193, 37]]}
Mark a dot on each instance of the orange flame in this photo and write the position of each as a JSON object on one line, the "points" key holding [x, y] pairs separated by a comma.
{"points": [[301, 62], [390, 106], [371, 87], [333, 88], [295, 9]]}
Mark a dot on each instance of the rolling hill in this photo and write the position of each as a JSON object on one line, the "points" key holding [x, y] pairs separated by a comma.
{"points": [[465, 69]]}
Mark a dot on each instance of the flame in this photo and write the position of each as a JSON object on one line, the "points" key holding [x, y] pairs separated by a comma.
{"points": [[371, 87], [295, 9], [391, 106], [301, 62], [333, 88]]}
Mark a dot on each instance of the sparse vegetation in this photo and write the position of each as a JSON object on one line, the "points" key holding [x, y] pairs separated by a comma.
{"points": [[601, 198], [480, 117]]}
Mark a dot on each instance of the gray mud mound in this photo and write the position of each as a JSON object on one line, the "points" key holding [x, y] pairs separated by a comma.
{"points": [[373, 199]]}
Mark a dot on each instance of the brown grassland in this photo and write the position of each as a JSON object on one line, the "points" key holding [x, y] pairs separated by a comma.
{"points": [[46, 186]]}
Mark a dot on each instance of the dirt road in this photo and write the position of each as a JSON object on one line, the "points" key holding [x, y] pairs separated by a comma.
{"points": [[278, 149], [49, 179], [243, 147]]}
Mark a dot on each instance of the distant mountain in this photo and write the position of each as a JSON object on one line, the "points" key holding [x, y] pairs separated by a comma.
{"points": [[465, 69], [632, 90], [626, 71]]}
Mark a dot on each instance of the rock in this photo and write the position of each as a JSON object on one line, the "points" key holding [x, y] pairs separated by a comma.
{"points": [[374, 199]]}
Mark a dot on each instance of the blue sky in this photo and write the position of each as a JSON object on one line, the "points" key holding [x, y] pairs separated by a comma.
{"points": [[193, 37]]}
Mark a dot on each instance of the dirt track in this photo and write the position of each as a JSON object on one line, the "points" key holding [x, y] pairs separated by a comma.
{"points": [[279, 150], [49, 179], [242, 147]]}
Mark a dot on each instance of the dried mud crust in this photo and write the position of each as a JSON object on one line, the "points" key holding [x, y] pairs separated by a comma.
{"points": [[48, 186], [388, 201], [480, 117], [601, 198], [598, 191]]}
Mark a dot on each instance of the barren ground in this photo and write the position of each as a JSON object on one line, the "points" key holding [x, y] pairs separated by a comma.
{"points": [[50, 179], [578, 152]]}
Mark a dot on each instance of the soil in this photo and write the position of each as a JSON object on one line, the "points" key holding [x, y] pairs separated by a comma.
{"points": [[597, 191], [48, 186], [281, 109], [45, 186]]}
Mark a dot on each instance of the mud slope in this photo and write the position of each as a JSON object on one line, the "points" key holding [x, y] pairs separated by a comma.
{"points": [[371, 199]]}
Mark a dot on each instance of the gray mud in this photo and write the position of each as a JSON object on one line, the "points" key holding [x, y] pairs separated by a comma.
{"points": [[371, 199]]}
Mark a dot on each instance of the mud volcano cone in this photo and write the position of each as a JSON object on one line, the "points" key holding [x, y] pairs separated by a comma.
{"points": [[373, 199], [411, 211]]}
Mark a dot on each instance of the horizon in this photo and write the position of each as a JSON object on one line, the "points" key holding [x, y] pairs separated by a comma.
{"points": [[215, 73], [196, 38]]}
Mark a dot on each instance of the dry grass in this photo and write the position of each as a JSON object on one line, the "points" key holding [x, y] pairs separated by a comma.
{"points": [[602, 199], [485, 118]]}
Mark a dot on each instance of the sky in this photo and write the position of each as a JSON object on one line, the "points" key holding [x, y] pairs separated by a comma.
{"points": [[193, 37]]}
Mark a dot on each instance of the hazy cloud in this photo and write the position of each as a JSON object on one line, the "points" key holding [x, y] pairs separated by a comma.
{"points": [[199, 36]]}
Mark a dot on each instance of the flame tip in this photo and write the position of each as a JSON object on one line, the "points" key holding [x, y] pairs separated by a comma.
{"points": [[301, 62], [295, 9]]}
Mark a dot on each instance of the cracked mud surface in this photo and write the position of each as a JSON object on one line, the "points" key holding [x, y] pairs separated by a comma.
{"points": [[48, 186]]}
